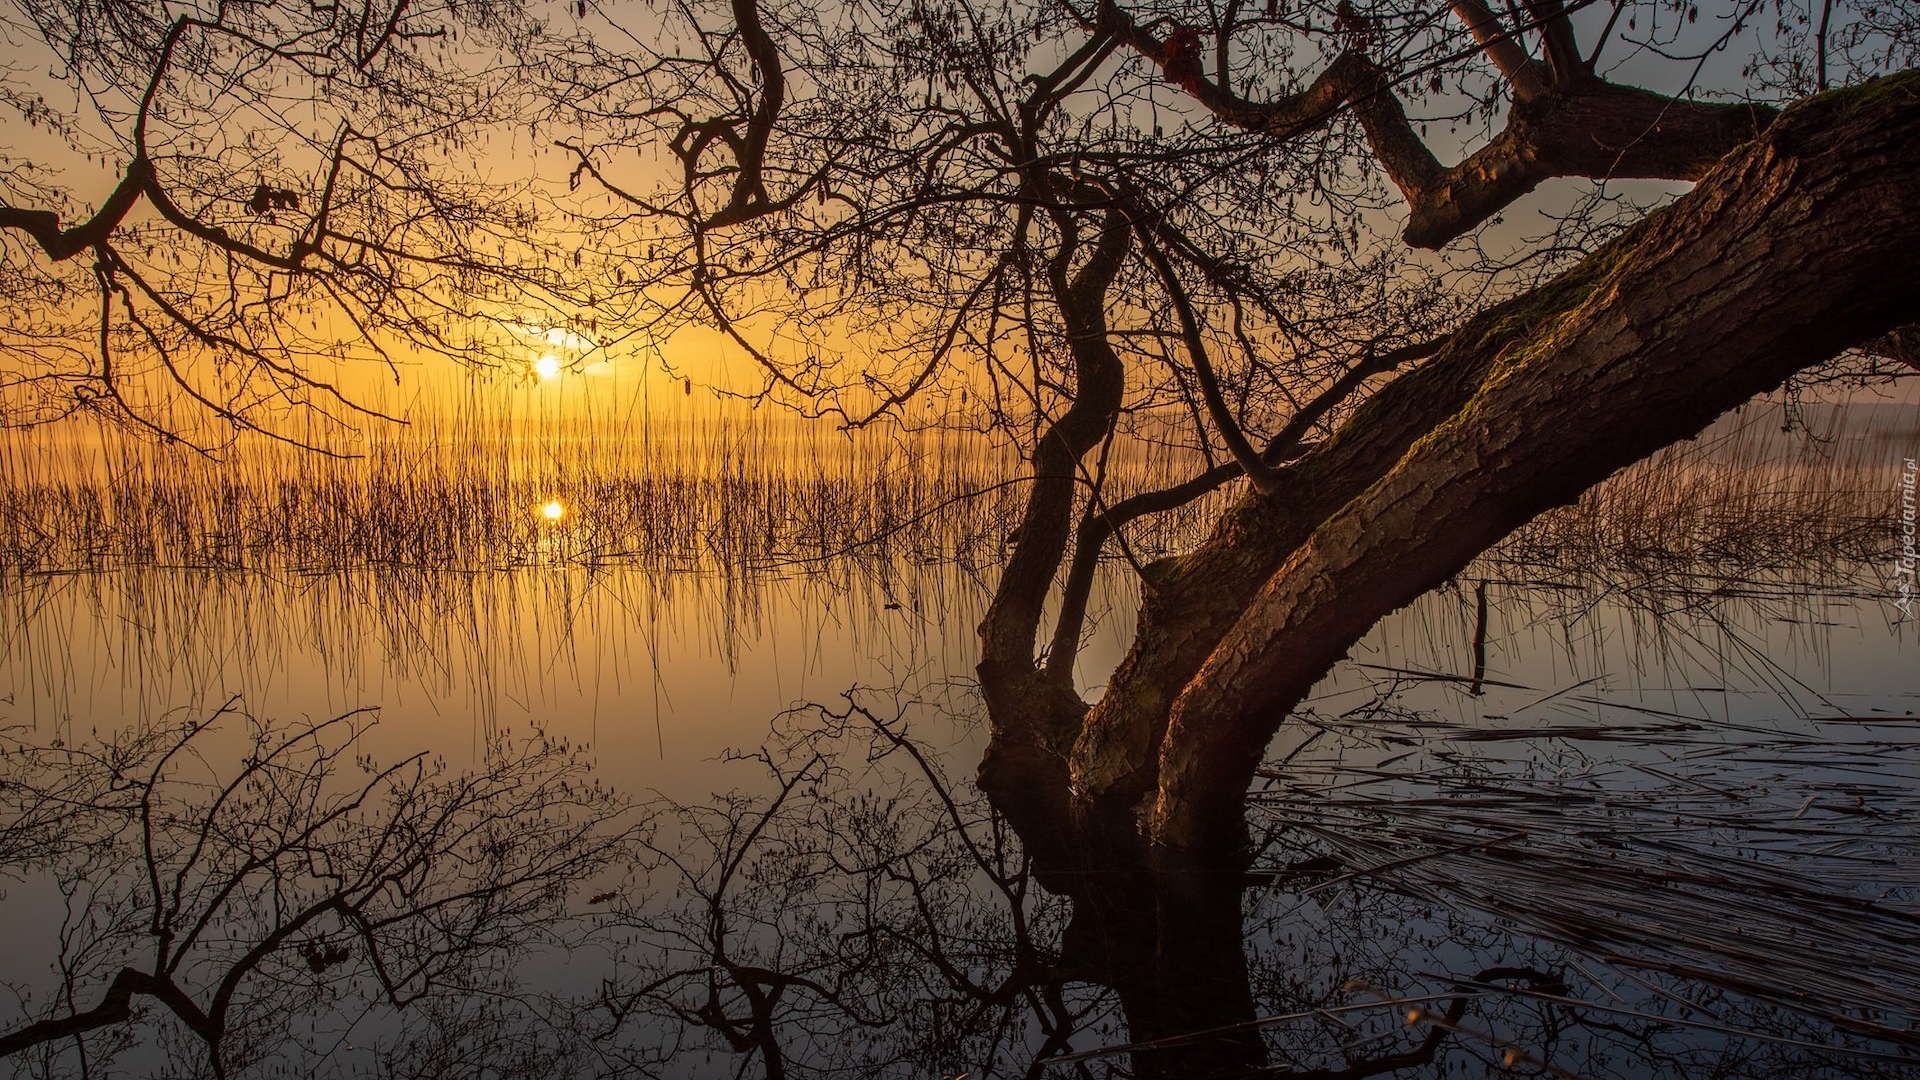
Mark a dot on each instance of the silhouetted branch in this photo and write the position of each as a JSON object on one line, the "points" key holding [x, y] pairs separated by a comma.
{"points": [[285, 869]]}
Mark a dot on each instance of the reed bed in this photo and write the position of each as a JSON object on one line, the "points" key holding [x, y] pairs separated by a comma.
{"points": [[718, 496], [1709, 844], [721, 491], [706, 488], [1745, 494]]}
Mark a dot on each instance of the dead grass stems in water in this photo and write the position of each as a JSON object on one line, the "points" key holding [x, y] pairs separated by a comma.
{"points": [[737, 492], [743, 492], [1716, 853], [1745, 500]]}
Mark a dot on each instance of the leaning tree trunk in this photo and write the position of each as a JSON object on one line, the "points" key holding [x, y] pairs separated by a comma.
{"points": [[1800, 244]]}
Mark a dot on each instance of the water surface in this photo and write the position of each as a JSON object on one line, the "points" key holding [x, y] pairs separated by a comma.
{"points": [[1633, 796]]}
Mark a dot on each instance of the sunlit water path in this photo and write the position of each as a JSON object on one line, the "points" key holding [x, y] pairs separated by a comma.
{"points": [[1673, 728], [690, 589]]}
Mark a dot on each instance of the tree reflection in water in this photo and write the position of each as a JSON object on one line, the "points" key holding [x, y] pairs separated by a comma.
{"points": [[874, 917], [236, 897], [240, 899], [869, 914]]}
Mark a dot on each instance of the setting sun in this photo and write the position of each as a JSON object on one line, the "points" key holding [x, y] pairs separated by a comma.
{"points": [[1039, 458]]}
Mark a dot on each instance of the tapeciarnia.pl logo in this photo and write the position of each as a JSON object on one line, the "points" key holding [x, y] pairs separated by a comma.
{"points": [[1903, 567]]}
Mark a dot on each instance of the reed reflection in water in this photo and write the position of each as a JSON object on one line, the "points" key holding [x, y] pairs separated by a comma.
{"points": [[695, 581], [1634, 797]]}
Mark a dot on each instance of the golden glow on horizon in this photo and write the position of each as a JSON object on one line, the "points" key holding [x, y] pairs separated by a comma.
{"points": [[547, 367], [554, 510]]}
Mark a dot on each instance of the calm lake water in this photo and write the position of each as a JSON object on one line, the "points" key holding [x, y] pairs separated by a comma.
{"points": [[1637, 795]]}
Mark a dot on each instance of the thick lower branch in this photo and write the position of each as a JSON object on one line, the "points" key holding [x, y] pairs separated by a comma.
{"points": [[1588, 128], [1012, 621], [115, 1007], [1802, 245], [1096, 528], [59, 243], [1189, 603], [1101, 524], [1034, 719]]}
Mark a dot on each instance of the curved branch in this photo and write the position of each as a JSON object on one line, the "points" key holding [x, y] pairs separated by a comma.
{"points": [[115, 1007], [1578, 125], [1096, 528], [1035, 719], [1800, 246], [1101, 524], [749, 196], [60, 244], [1009, 630]]}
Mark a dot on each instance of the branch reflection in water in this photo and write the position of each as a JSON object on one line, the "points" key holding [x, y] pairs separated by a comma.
{"points": [[1589, 812], [234, 896], [240, 897]]}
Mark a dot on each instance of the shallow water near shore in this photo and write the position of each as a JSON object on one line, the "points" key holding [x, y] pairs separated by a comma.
{"points": [[1656, 753]]}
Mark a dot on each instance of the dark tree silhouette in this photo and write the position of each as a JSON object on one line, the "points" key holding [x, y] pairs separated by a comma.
{"points": [[1107, 213], [288, 185], [236, 876], [1065, 222], [859, 913]]}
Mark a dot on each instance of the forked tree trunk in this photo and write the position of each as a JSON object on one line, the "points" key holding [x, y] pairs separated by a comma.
{"points": [[1799, 245]]}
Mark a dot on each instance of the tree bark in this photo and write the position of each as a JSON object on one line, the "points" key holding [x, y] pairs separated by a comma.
{"points": [[1799, 245], [1803, 244]]}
